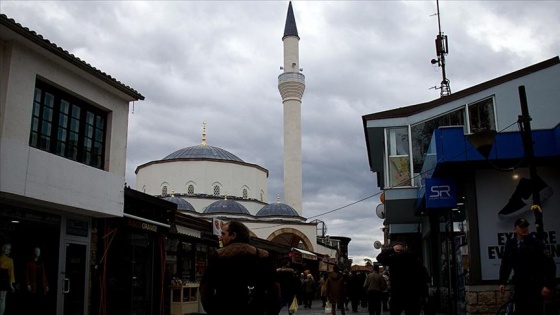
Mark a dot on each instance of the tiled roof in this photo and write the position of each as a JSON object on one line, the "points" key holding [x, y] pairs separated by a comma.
{"points": [[203, 152], [277, 209], [226, 206], [65, 55], [418, 108]]}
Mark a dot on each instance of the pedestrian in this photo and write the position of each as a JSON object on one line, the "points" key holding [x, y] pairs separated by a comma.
{"points": [[288, 283], [385, 295], [309, 290], [336, 291], [407, 279], [355, 288], [239, 278], [533, 267], [323, 289], [374, 285]]}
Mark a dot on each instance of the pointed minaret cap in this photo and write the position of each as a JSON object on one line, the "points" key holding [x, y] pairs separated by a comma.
{"points": [[290, 29]]}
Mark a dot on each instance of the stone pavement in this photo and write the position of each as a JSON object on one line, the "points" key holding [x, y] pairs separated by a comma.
{"points": [[316, 309]]}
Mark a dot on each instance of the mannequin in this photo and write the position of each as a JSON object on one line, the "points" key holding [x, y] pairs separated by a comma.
{"points": [[36, 281], [35, 275], [7, 276]]}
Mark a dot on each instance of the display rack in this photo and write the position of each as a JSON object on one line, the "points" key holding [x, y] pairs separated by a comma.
{"points": [[184, 299]]}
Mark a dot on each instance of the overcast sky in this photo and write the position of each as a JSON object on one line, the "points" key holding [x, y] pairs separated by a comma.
{"points": [[218, 61]]}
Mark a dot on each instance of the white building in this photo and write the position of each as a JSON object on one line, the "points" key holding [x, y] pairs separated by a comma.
{"points": [[63, 134]]}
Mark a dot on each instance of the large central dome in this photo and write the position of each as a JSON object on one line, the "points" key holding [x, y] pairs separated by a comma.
{"points": [[203, 151]]}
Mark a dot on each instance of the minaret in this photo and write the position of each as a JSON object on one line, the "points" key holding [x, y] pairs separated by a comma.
{"points": [[291, 85]]}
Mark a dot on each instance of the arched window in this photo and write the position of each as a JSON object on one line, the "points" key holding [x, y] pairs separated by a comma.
{"points": [[190, 190], [245, 195], [164, 191], [216, 190]]}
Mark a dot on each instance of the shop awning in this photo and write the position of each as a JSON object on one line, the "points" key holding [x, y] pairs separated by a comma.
{"points": [[186, 231], [305, 254]]}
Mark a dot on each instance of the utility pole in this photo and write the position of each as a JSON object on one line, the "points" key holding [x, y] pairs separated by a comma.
{"points": [[441, 50], [524, 121]]}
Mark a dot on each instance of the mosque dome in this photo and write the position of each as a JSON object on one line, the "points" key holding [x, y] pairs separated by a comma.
{"points": [[203, 151], [182, 204], [226, 206], [277, 209]]}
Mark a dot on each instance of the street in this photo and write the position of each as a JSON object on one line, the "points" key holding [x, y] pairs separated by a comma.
{"points": [[316, 309]]}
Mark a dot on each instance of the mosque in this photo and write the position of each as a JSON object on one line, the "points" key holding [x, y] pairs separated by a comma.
{"points": [[214, 184]]}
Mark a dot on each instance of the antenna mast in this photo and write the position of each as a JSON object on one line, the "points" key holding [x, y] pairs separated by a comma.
{"points": [[441, 51]]}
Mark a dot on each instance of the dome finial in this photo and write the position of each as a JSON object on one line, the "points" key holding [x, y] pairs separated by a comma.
{"points": [[277, 198], [172, 192], [203, 134], [225, 197]]}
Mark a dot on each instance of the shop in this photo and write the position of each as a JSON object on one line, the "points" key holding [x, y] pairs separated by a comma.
{"points": [[50, 250], [131, 257]]}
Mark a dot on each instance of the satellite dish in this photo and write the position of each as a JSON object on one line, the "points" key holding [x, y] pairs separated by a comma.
{"points": [[377, 244], [380, 211]]}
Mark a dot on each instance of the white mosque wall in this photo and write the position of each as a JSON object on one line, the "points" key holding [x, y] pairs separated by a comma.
{"points": [[204, 175]]}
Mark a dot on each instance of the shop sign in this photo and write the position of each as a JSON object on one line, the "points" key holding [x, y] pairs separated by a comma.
{"points": [[142, 225], [440, 193]]}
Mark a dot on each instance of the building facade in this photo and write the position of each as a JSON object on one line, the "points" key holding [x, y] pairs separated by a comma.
{"points": [[456, 205], [63, 133]]}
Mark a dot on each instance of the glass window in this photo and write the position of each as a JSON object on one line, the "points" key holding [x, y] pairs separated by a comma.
{"points": [[216, 190], [190, 190], [63, 124], [245, 195], [164, 191], [399, 157], [481, 115], [422, 134]]}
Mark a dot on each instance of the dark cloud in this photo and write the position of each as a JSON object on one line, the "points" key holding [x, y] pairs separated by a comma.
{"points": [[218, 62]]}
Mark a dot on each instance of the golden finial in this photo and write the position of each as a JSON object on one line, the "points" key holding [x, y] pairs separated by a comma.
{"points": [[277, 198], [225, 197], [172, 192], [203, 134]]}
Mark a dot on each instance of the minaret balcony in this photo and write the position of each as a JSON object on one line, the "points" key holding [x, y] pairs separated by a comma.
{"points": [[291, 77]]}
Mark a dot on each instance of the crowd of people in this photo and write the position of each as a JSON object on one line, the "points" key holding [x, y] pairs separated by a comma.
{"points": [[241, 278]]}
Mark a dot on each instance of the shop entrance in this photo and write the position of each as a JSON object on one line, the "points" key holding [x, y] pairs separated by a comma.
{"points": [[73, 267]]}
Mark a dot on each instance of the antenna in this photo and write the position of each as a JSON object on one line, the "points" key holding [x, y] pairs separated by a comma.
{"points": [[441, 50]]}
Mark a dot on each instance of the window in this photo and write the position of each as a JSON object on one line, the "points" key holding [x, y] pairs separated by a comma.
{"points": [[262, 196], [190, 190], [422, 134], [245, 195], [481, 115], [399, 158], [216, 190], [67, 126], [164, 191]]}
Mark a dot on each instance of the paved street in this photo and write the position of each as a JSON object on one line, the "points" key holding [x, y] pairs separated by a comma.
{"points": [[316, 309]]}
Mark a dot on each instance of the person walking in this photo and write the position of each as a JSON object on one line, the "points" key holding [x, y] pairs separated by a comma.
{"points": [[289, 283], [407, 279], [336, 291], [309, 290], [355, 289], [385, 295], [374, 285], [239, 278], [533, 267]]}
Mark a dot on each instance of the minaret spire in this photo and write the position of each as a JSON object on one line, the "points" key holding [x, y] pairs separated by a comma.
{"points": [[203, 134], [291, 85]]}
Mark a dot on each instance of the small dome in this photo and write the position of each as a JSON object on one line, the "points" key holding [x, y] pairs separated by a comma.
{"points": [[203, 152], [226, 206], [182, 204], [277, 209]]}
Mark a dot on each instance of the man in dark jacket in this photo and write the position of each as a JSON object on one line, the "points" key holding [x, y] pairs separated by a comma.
{"points": [[289, 283], [239, 278], [336, 291], [407, 279], [533, 267]]}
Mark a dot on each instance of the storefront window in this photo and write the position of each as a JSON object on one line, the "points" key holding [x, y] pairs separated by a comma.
{"points": [[399, 157]]}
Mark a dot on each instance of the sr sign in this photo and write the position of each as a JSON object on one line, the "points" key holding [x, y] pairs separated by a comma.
{"points": [[440, 193]]}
